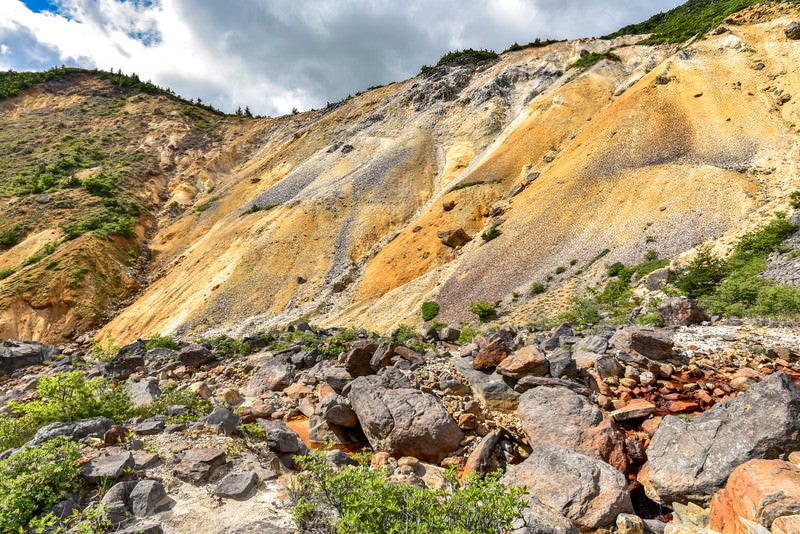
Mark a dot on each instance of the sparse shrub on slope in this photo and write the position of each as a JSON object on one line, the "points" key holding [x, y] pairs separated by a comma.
{"points": [[430, 309]]}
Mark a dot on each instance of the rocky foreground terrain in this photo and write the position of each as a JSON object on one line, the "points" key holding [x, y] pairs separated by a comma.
{"points": [[682, 429]]}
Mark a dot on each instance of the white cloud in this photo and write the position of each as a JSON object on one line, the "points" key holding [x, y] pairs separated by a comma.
{"points": [[277, 54]]}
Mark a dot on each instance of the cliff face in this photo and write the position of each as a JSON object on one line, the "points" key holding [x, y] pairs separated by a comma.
{"points": [[337, 214]]}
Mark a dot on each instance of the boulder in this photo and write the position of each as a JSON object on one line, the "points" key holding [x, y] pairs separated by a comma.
{"points": [[650, 342], [405, 421], [528, 360], [237, 485], [562, 330], [223, 421], [108, 467], [123, 366], [281, 438], [489, 388], [197, 465], [635, 410], [78, 430], [145, 497], [336, 410], [483, 460], [357, 359], [559, 416], [274, 373], [15, 354], [540, 519], [680, 311], [454, 238], [382, 357], [195, 355], [449, 334], [562, 364], [143, 392], [322, 431], [690, 459], [597, 344], [759, 491], [150, 426], [792, 31], [491, 355], [587, 491]]}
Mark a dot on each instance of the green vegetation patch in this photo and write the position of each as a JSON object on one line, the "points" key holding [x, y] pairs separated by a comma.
{"points": [[536, 43], [465, 185], [255, 208], [695, 17], [466, 54], [484, 310], [361, 499], [590, 59], [430, 309]]}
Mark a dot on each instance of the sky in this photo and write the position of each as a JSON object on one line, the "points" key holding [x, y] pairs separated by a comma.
{"points": [[276, 55]]}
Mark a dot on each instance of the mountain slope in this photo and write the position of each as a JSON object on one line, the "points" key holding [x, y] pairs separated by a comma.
{"points": [[337, 214]]}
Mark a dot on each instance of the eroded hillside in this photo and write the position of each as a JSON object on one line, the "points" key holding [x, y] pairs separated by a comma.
{"points": [[338, 214]]}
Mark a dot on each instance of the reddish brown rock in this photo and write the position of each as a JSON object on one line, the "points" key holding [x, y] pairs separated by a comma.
{"points": [[635, 409], [760, 491], [454, 238], [528, 360], [653, 343], [482, 460], [491, 356], [357, 359]]}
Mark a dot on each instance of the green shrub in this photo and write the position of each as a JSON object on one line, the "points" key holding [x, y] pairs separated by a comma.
{"points": [[76, 277], [484, 310], [590, 59], [68, 396], [360, 499], [172, 396], [101, 185], [468, 333], [465, 185], [430, 309], [703, 274], [255, 208], [337, 344], [207, 204], [159, 341], [584, 312], [560, 269], [405, 333], [491, 234], [795, 199], [5, 272], [536, 43], [10, 237], [15, 431], [537, 288], [478, 55], [35, 479]]}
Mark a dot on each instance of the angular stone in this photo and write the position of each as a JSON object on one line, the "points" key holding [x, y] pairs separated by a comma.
{"points": [[653, 343], [274, 373], [142, 528], [145, 497], [482, 460], [528, 360], [281, 438], [237, 485], [223, 421], [321, 431], [16, 354], [382, 357], [562, 330], [489, 388], [357, 359], [680, 311], [588, 491], [758, 491], [336, 377], [562, 364], [553, 415], [145, 460], [792, 31], [449, 334], [596, 344], [491, 355], [608, 366], [528, 382], [630, 524], [635, 409], [405, 421], [195, 355], [540, 519], [336, 410], [149, 427], [78, 430], [454, 238], [143, 392], [107, 467], [198, 464], [690, 459]]}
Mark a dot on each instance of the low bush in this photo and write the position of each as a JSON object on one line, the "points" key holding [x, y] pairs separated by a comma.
{"points": [[360, 499], [10, 236], [484, 310], [590, 59], [164, 342], [583, 312], [5, 272], [430, 309], [35, 479], [537, 288], [492, 233]]}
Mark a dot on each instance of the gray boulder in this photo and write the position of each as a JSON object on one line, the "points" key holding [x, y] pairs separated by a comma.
{"points": [[653, 343], [540, 519], [145, 497], [195, 355], [562, 330], [357, 359], [562, 364], [587, 491], [792, 31], [274, 373], [491, 388], [237, 485], [281, 438], [223, 421], [560, 416], [143, 392], [405, 421], [690, 459], [680, 311], [15, 354], [78, 430], [336, 410], [107, 467]]}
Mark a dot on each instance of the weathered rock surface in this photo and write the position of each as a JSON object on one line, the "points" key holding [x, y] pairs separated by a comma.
{"points": [[145, 497], [538, 518], [760, 491], [680, 311], [197, 465], [274, 373], [195, 355], [223, 421], [336, 410], [357, 359], [491, 355], [589, 492], [404, 422], [559, 416], [107, 467], [78, 430], [528, 360], [143, 392], [16, 354], [281, 438], [490, 388], [237, 485], [690, 459], [653, 343]]}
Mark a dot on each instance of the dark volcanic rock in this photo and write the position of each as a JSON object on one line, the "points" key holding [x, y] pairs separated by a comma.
{"points": [[680, 311], [690, 459], [653, 343], [195, 355], [107, 467], [357, 359], [15, 354], [78, 430], [274, 373], [237, 485]]}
